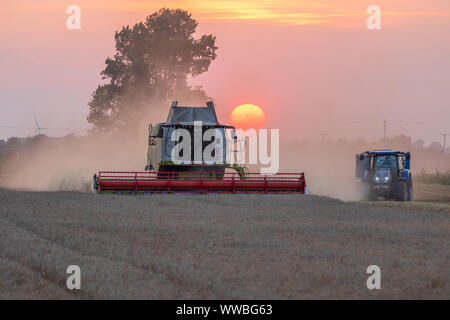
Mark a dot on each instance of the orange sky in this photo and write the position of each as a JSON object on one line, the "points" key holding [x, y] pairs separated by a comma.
{"points": [[311, 65]]}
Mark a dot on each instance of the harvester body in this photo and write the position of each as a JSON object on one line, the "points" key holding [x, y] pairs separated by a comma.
{"points": [[199, 166], [385, 173]]}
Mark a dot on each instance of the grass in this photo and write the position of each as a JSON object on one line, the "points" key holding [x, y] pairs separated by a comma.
{"points": [[438, 177], [218, 247]]}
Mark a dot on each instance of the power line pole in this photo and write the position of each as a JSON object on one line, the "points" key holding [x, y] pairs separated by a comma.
{"points": [[445, 138], [385, 125]]}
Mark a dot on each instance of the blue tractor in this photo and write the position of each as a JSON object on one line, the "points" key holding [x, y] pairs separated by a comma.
{"points": [[385, 173]]}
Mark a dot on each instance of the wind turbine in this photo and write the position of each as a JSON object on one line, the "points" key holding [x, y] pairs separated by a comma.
{"points": [[38, 129]]}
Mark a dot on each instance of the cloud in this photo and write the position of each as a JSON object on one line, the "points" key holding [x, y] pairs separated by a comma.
{"points": [[287, 12], [281, 12]]}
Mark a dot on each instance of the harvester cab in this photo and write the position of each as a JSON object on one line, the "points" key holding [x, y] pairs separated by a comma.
{"points": [[385, 173], [208, 136], [189, 153]]}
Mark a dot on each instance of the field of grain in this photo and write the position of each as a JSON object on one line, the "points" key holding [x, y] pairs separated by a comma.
{"points": [[432, 193], [218, 246]]}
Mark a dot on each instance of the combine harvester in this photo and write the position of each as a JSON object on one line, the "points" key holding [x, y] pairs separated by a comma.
{"points": [[163, 174]]}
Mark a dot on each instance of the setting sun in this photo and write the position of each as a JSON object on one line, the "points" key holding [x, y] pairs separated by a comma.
{"points": [[248, 116]]}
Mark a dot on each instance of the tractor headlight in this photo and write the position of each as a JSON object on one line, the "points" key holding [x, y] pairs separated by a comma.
{"points": [[377, 179], [386, 179]]}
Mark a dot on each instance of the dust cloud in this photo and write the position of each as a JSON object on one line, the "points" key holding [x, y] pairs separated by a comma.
{"points": [[329, 166], [67, 164]]}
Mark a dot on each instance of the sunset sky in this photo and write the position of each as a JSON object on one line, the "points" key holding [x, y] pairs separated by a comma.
{"points": [[312, 66]]}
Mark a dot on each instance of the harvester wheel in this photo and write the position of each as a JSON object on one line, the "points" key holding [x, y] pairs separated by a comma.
{"points": [[94, 184], [401, 191]]}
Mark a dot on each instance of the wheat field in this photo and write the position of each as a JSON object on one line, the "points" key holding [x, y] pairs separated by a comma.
{"points": [[218, 247]]}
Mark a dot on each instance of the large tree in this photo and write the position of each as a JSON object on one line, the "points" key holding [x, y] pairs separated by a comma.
{"points": [[151, 66]]}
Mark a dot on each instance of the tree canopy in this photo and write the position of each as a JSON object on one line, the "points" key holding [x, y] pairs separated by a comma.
{"points": [[150, 68]]}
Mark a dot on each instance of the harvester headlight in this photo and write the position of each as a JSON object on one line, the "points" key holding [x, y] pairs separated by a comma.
{"points": [[386, 179], [377, 179]]}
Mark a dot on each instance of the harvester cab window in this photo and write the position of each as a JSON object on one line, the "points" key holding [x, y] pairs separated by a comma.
{"points": [[159, 132], [169, 143]]}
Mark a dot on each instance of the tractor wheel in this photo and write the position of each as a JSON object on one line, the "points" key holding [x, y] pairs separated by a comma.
{"points": [[366, 192], [372, 196], [410, 190], [401, 191]]}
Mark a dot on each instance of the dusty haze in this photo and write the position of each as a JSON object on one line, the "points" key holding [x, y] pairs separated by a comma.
{"points": [[69, 163]]}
